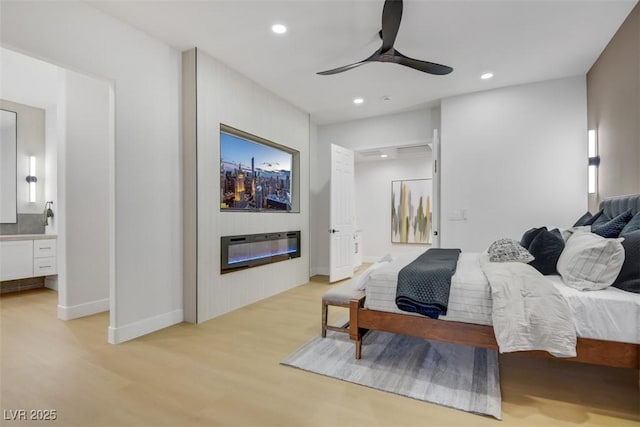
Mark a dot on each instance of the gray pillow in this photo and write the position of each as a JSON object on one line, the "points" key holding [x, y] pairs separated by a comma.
{"points": [[598, 218], [583, 219], [631, 226], [505, 250], [529, 235], [612, 228], [629, 277], [546, 248]]}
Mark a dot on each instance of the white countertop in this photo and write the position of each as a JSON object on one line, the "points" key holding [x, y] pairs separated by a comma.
{"points": [[12, 237]]}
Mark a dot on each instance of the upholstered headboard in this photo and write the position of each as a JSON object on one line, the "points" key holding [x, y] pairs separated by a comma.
{"points": [[614, 206]]}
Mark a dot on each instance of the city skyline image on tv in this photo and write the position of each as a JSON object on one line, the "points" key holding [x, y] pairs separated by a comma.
{"points": [[253, 176]]}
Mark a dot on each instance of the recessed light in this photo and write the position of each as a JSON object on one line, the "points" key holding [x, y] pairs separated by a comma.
{"points": [[384, 156], [278, 28], [486, 76], [358, 101]]}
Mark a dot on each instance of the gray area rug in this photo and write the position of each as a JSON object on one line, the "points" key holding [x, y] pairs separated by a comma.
{"points": [[451, 375]]}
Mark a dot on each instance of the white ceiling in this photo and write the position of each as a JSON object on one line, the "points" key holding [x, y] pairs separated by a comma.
{"points": [[520, 41]]}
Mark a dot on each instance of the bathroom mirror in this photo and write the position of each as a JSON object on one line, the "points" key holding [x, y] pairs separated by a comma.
{"points": [[8, 167]]}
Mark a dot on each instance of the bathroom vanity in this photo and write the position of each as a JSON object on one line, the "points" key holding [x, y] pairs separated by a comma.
{"points": [[27, 255]]}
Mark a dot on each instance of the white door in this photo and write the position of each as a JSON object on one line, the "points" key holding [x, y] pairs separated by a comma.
{"points": [[435, 203], [342, 217]]}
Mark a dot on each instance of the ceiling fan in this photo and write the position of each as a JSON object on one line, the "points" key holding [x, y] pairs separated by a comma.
{"points": [[391, 16]]}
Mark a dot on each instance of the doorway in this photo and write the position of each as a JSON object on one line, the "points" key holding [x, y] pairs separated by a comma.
{"points": [[388, 180], [76, 175]]}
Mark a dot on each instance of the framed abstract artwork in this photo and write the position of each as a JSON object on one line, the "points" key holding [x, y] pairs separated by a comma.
{"points": [[411, 211]]}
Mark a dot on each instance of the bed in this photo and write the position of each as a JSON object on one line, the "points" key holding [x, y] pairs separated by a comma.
{"points": [[608, 335]]}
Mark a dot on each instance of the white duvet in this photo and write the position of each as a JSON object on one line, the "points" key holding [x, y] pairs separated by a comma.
{"points": [[529, 313]]}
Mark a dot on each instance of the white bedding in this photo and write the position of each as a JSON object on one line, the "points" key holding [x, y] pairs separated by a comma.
{"points": [[609, 314], [529, 313], [469, 298]]}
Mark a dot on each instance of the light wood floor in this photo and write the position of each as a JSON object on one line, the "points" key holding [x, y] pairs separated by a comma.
{"points": [[226, 372]]}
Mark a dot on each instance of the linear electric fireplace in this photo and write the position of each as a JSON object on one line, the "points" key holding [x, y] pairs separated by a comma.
{"points": [[252, 250]]}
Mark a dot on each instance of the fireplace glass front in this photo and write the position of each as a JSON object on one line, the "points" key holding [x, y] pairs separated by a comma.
{"points": [[251, 250]]}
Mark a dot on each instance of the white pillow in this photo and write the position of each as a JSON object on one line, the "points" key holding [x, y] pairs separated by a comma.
{"points": [[386, 258], [590, 262], [361, 280], [568, 232]]}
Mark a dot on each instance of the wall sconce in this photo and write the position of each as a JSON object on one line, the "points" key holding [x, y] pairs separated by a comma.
{"points": [[31, 179], [594, 162]]}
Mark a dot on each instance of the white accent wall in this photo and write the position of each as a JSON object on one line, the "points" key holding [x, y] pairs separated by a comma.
{"points": [[512, 159], [83, 211], [373, 202], [403, 129], [225, 96], [145, 72]]}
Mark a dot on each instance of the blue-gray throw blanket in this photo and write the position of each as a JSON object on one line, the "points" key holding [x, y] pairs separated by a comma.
{"points": [[423, 284]]}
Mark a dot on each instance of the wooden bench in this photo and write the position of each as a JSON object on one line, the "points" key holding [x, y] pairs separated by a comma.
{"points": [[339, 296]]}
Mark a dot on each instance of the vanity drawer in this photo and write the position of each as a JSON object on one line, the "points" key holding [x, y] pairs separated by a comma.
{"points": [[44, 248], [44, 266]]}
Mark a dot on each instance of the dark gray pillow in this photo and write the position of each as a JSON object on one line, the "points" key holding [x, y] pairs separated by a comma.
{"points": [[546, 247], [598, 218], [611, 229], [629, 277], [632, 225], [529, 235], [583, 220]]}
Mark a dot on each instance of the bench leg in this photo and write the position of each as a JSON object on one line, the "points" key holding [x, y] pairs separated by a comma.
{"points": [[324, 319], [355, 332]]}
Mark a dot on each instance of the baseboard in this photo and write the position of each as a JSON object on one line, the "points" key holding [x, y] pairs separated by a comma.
{"points": [[82, 310], [370, 259], [143, 327]]}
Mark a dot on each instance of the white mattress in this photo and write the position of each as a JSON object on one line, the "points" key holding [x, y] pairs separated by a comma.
{"points": [[609, 314]]}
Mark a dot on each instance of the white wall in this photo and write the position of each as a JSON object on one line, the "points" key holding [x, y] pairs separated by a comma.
{"points": [[146, 77], [513, 158], [225, 96], [319, 204], [51, 165], [373, 207], [83, 208], [409, 128]]}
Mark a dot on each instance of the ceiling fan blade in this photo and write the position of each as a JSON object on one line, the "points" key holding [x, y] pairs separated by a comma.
{"points": [[391, 16], [373, 57], [341, 69], [416, 64]]}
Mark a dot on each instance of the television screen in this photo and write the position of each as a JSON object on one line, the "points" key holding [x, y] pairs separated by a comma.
{"points": [[254, 176]]}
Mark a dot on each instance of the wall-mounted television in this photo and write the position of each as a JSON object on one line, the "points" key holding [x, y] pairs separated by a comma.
{"points": [[255, 174]]}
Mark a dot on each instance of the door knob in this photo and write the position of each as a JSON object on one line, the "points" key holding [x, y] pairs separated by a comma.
{"points": [[333, 230]]}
